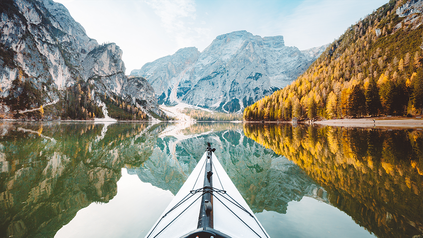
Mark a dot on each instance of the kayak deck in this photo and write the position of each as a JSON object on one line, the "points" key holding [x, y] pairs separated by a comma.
{"points": [[208, 205]]}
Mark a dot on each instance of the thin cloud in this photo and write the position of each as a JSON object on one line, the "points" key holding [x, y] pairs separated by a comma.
{"points": [[173, 13], [320, 22], [150, 29], [179, 19]]}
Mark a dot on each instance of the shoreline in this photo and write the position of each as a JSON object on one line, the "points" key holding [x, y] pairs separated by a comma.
{"points": [[380, 122], [86, 121], [117, 121], [370, 122]]}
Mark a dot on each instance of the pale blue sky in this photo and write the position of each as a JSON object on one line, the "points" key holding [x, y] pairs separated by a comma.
{"points": [[149, 29]]}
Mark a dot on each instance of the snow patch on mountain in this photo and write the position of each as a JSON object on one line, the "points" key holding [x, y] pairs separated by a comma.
{"points": [[234, 71]]}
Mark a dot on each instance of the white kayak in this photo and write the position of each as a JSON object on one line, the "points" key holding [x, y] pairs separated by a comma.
{"points": [[208, 205]]}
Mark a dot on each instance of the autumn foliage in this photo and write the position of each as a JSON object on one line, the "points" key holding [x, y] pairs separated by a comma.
{"points": [[375, 176], [373, 69], [202, 115]]}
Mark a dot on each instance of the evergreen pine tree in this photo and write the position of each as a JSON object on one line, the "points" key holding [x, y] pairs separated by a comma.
{"points": [[356, 102], [372, 98], [386, 96], [417, 96]]}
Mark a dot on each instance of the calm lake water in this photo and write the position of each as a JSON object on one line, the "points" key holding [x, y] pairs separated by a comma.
{"points": [[97, 180]]}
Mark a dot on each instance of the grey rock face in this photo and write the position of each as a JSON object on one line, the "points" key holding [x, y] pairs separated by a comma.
{"points": [[166, 72], [409, 8], [236, 70], [142, 93], [42, 42]]}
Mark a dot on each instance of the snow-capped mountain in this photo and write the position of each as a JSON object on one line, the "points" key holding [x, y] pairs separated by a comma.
{"points": [[42, 46], [234, 71]]}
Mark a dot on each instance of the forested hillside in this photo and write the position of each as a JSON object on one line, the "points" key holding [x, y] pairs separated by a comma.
{"points": [[374, 68]]}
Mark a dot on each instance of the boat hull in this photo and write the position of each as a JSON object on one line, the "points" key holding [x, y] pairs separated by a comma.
{"points": [[231, 216]]}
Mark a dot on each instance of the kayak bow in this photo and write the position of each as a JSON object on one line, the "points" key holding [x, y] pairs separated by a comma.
{"points": [[208, 205]]}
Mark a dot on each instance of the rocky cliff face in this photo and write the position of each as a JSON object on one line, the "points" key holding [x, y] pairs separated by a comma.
{"points": [[43, 46], [163, 73], [236, 70]]}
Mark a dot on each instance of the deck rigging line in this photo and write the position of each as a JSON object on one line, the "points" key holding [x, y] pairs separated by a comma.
{"points": [[208, 193], [217, 174], [173, 208], [199, 174], [233, 201], [203, 191]]}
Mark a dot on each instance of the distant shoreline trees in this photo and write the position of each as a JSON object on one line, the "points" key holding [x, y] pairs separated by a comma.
{"points": [[76, 102], [202, 115]]}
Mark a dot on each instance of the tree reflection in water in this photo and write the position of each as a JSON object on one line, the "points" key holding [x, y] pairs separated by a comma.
{"points": [[266, 181], [50, 171], [375, 176]]}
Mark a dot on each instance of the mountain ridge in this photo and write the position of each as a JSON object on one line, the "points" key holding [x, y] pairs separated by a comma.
{"points": [[46, 56], [236, 69], [373, 69]]}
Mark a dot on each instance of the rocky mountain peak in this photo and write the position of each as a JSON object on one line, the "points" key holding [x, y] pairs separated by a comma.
{"points": [[409, 8], [235, 70], [274, 41], [187, 50], [104, 60], [45, 53], [235, 34]]}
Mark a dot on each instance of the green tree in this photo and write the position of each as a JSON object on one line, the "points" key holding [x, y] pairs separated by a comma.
{"points": [[372, 98], [399, 97], [386, 96], [417, 96], [356, 102]]}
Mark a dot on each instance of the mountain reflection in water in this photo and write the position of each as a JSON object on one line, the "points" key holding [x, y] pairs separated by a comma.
{"points": [[44, 182], [50, 171], [375, 176], [266, 181]]}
